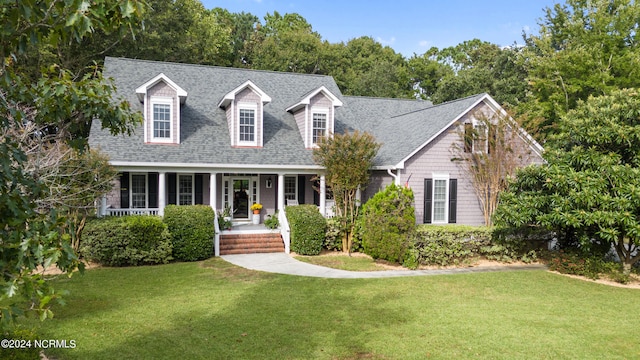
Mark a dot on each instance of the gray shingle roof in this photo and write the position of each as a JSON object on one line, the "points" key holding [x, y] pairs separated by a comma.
{"points": [[401, 125]]}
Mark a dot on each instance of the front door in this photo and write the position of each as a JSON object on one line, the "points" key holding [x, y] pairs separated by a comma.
{"points": [[241, 196]]}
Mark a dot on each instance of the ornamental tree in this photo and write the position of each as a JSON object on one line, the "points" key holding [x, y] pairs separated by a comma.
{"points": [[588, 192], [490, 153], [32, 238], [347, 159]]}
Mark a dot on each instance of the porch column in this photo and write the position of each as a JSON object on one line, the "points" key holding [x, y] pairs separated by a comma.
{"points": [[103, 206], [213, 190], [281, 193], [323, 195], [213, 200], [162, 192]]}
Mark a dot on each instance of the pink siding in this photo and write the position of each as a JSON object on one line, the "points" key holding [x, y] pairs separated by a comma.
{"points": [[113, 197], [161, 89], [299, 116], [320, 100]]}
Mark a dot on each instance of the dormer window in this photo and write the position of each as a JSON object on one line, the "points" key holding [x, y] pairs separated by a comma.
{"points": [[315, 115], [247, 124], [162, 119], [319, 124], [244, 106], [161, 99]]}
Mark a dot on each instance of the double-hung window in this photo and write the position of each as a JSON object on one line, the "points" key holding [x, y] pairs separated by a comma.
{"points": [[319, 126], [162, 113], [290, 188], [440, 203], [138, 191], [247, 121], [185, 189], [475, 138], [439, 200]]}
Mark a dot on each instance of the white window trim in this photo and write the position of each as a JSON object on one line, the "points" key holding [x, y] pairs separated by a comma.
{"points": [[256, 121], [146, 190], [318, 110], [295, 181], [446, 179], [162, 101], [193, 188], [474, 126]]}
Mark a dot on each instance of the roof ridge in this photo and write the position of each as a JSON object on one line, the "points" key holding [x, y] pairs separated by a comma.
{"points": [[384, 98], [441, 104], [214, 66]]}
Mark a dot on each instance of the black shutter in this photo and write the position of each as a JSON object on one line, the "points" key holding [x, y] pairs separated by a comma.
{"points": [[453, 200], [428, 198], [301, 190], [468, 137], [171, 184], [152, 180], [124, 190], [493, 138], [198, 186]]}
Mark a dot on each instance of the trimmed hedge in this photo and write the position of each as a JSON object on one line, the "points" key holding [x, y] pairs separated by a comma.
{"points": [[125, 241], [192, 230], [387, 223], [308, 229], [445, 245]]}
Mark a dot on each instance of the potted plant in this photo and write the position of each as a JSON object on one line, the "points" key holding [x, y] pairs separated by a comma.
{"points": [[256, 207]]}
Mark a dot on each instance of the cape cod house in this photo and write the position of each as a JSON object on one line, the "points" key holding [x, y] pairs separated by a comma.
{"points": [[230, 137]]}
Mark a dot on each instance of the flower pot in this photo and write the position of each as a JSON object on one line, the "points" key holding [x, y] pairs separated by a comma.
{"points": [[256, 211]]}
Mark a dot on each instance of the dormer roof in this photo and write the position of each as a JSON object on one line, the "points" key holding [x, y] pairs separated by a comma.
{"points": [[141, 91], [230, 96], [306, 99]]}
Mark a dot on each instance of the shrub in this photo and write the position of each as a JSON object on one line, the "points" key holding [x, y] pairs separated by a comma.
{"points": [[445, 245], [333, 235], [192, 230], [308, 228], [387, 223], [125, 241], [592, 267], [272, 222], [23, 351], [513, 244]]}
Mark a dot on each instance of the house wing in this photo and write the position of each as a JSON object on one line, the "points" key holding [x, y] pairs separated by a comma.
{"points": [[404, 135]]}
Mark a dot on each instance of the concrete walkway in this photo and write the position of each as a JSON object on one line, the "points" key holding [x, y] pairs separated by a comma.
{"points": [[282, 263]]}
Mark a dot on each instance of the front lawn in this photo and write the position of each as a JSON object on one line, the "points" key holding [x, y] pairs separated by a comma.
{"points": [[214, 310]]}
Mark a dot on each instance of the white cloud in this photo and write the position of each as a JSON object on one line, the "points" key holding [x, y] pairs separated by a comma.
{"points": [[389, 42], [424, 43]]}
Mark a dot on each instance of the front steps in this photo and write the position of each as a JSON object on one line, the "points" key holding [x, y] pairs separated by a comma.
{"points": [[251, 243]]}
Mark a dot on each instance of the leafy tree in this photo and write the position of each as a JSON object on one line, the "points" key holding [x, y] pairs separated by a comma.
{"points": [[490, 153], [286, 43], [370, 69], [347, 159], [588, 192], [427, 73], [584, 48], [29, 238], [477, 67]]}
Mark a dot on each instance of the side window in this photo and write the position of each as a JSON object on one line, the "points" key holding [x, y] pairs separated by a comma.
{"points": [[440, 201]]}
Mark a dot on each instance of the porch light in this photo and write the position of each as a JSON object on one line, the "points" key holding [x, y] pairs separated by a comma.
{"points": [[269, 183]]}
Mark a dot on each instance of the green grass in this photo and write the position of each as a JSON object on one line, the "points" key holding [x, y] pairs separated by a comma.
{"points": [[213, 310], [344, 262]]}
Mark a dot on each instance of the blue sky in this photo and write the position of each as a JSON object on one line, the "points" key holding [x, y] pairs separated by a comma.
{"points": [[408, 26]]}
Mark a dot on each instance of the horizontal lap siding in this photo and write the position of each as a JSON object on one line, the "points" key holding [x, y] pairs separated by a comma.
{"points": [[436, 158]]}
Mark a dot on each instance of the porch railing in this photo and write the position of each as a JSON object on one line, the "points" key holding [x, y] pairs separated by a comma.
{"points": [[285, 231], [125, 212]]}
